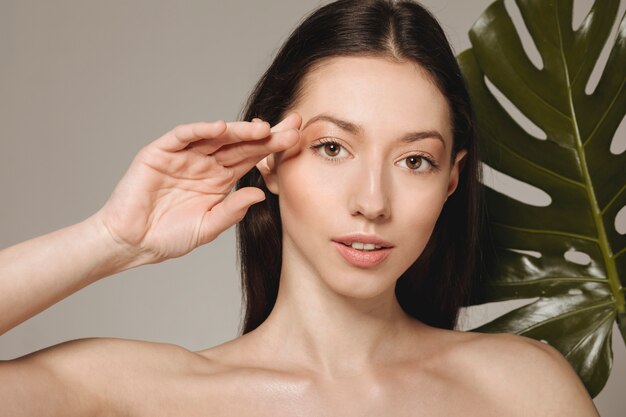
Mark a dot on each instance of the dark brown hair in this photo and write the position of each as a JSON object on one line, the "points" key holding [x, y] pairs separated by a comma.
{"points": [[440, 281]]}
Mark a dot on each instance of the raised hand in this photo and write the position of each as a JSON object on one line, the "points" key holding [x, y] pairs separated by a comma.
{"points": [[176, 194]]}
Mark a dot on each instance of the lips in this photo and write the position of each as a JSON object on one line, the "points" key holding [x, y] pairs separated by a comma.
{"points": [[347, 240], [363, 258]]}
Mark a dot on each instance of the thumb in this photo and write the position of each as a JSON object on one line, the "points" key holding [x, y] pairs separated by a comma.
{"points": [[228, 212]]}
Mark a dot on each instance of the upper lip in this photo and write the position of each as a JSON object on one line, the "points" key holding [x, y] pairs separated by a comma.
{"points": [[363, 238]]}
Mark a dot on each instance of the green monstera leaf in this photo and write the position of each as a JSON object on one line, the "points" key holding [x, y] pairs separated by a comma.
{"points": [[577, 304]]}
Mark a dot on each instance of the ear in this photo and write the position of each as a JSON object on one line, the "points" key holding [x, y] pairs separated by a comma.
{"points": [[454, 174], [267, 167]]}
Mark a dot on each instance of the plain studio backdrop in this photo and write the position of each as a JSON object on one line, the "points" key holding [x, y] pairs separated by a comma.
{"points": [[85, 84]]}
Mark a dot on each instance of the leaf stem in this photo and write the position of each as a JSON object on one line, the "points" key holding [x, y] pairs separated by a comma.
{"points": [[607, 254], [547, 232]]}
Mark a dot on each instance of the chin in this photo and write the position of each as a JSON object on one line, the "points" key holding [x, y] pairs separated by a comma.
{"points": [[361, 286]]}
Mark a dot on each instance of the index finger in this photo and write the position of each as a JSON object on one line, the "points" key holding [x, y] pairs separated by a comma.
{"points": [[182, 135], [235, 132]]}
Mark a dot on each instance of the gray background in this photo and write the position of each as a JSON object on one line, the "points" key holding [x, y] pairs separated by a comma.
{"points": [[85, 84]]}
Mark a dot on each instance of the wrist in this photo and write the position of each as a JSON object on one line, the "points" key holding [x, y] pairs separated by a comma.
{"points": [[117, 255]]}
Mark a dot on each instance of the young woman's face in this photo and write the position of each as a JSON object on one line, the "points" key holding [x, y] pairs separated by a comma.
{"points": [[373, 159]]}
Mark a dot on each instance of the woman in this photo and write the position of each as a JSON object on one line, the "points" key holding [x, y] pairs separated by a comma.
{"points": [[357, 208]]}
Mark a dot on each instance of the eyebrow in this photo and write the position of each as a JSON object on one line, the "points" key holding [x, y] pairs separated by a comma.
{"points": [[355, 129]]}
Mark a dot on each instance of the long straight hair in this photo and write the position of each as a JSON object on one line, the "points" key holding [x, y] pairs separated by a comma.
{"points": [[440, 281]]}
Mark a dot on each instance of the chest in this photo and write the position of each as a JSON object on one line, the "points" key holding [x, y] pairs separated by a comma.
{"points": [[243, 397]]}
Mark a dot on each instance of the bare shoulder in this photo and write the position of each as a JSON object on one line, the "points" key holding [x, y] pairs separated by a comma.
{"points": [[87, 376], [111, 355], [531, 377]]}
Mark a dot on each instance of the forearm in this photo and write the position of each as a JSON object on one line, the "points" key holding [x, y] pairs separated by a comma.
{"points": [[38, 273]]}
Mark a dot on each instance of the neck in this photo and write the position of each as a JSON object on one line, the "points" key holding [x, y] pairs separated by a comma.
{"points": [[332, 334]]}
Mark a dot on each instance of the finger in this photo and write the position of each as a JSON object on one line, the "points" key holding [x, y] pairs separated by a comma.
{"points": [[182, 135], [235, 132], [228, 212], [243, 167], [277, 142], [292, 121]]}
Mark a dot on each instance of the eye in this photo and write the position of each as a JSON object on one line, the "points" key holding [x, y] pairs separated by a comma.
{"points": [[331, 149], [419, 164], [328, 149]]}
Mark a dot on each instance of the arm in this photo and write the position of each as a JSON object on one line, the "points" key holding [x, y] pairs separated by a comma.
{"points": [[37, 273], [90, 377], [48, 383], [175, 196]]}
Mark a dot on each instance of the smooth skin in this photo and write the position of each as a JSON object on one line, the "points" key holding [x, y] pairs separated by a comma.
{"points": [[337, 343]]}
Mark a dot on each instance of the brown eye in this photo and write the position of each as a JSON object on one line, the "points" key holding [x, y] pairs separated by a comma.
{"points": [[332, 149], [414, 162], [329, 150]]}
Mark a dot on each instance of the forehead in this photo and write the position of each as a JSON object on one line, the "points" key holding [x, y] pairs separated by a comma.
{"points": [[381, 95]]}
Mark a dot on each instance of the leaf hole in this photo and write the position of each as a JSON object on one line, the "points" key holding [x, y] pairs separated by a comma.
{"points": [[620, 221], [514, 188], [618, 144], [527, 41], [532, 253], [575, 291], [580, 12], [600, 65], [474, 316], [577, 257], [520, 118]]}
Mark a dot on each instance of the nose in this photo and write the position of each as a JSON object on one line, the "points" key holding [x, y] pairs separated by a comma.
{"points": [[369, 195]]}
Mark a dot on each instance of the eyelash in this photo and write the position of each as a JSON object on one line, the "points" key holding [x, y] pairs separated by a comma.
{"points": [[434, 166]]}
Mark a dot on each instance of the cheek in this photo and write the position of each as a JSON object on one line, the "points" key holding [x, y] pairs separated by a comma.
{"points": [[308, 192], [418, 212]]}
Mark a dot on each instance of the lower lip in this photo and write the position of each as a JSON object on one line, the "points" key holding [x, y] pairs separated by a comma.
{"points": [[363, 259]]}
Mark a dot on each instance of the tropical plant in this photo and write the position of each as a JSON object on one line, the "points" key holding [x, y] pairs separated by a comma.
{"points": [[577, 304]]}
